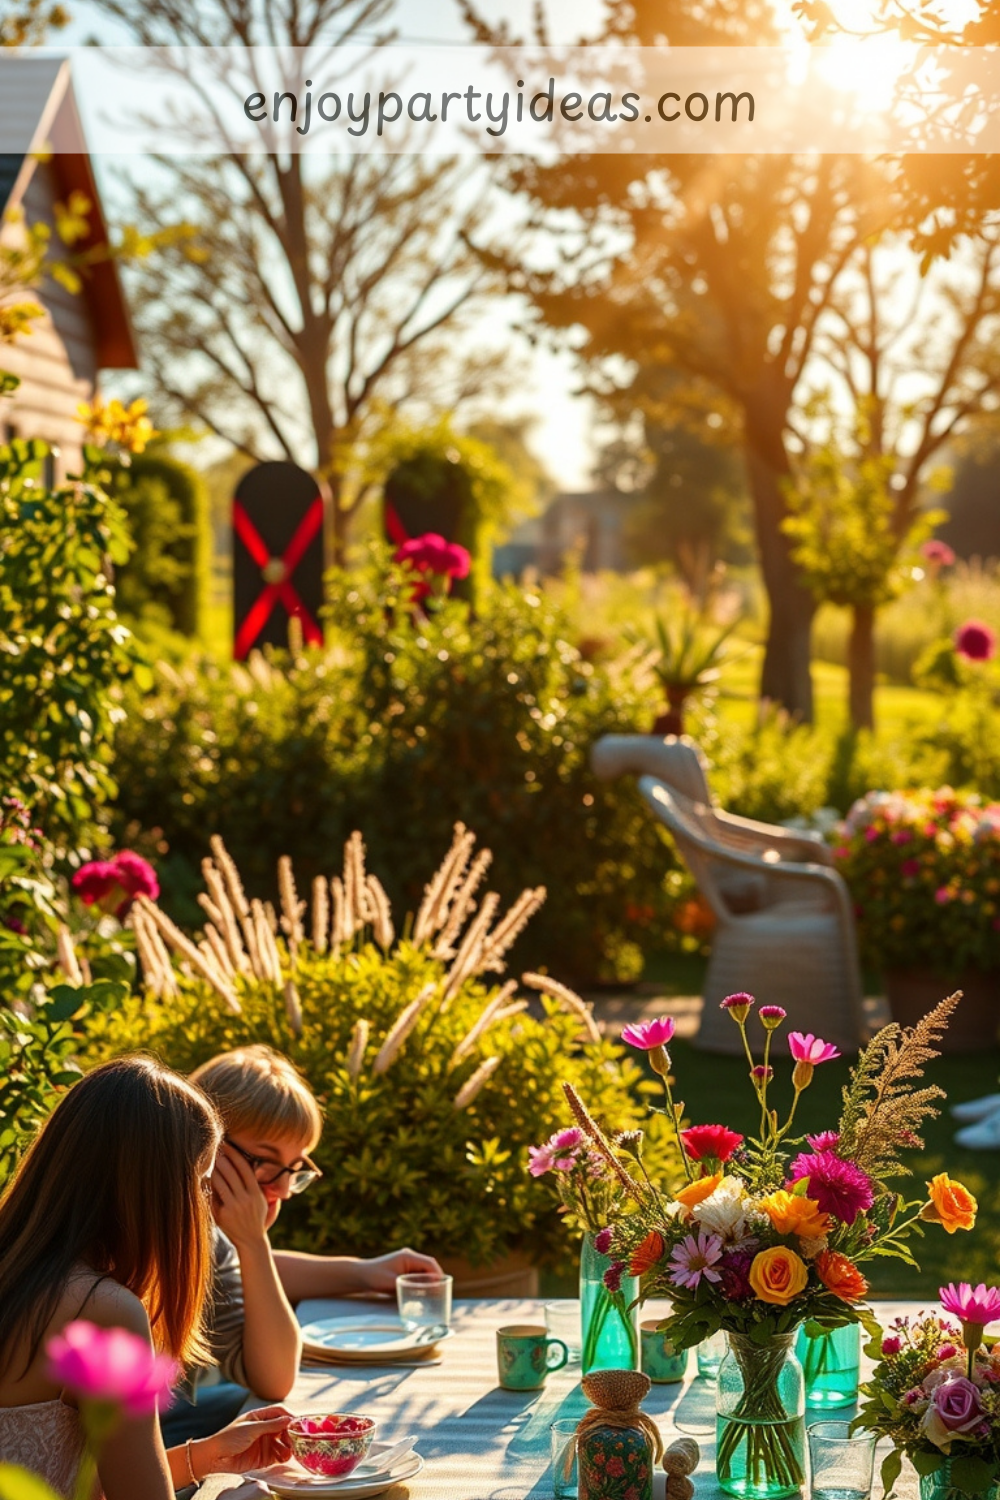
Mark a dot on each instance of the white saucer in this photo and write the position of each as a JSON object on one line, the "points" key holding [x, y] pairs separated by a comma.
{"points": [[296, 1483], [370, 1337]]}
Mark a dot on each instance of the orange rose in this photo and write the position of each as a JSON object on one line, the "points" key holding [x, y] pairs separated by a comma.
{"points": [[840, 1276], [645, 1256], [777, 1275], [793, 1213], [696, 1192], [951, 1205]]}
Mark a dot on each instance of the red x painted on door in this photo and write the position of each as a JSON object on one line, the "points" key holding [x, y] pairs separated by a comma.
{"points": [[276, 573]]}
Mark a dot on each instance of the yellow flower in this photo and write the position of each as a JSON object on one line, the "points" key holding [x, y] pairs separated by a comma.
{"points": [[696, 1192], [778, 1275], [791, 1213], [111, 422], [951, 1205]]}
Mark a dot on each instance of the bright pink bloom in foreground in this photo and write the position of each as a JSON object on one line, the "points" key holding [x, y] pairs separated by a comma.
{"points": [[432, 554], [111, 1365], [809, 1048], [649, 1034], [979, 1305], [710, 1140], [695, 1257], [839, 1187], [113, 884], [975, 641]]}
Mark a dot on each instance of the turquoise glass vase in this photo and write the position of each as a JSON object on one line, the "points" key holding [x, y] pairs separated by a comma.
{"points": [[609, 1331], [760, 1419], [831, 1363], [940, 1486]]}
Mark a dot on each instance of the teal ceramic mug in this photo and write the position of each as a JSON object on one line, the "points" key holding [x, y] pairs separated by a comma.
{"points": [[524, 1356], [659, 1361]]}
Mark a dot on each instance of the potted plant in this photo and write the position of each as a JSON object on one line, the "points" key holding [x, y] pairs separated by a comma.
{"points": [[688, 661], [434, 1071], [923, 868]]}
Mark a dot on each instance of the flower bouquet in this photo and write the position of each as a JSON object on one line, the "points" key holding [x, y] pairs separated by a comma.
{"points": [[936, 1393], [765, 1234]]}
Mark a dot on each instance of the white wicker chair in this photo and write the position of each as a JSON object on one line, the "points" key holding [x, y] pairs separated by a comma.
{"points": [[784, 921]]}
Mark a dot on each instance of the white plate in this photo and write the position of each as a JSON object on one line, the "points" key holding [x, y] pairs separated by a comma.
{"points": [[370, 1337], [296, 1483]]}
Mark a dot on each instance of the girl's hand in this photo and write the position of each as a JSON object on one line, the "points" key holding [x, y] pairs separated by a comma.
{"points": [[379, 1274], [253, 1441], [238, 1204]]}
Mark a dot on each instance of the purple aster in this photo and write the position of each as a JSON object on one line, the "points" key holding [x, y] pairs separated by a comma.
{"points": [[734, 1269], [839, 1187], [695, 1257]]}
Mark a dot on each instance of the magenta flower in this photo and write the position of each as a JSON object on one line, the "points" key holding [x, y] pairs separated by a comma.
{"points": [[808, 1048], [975, 641], [710, 1140], [613, 1276], [761, 1074], [649, 1034], [558, 1154], [111, 1366], [772, 1016], [937, 553], [947, 1351], [738, 1005], [890, 1346], [734, 1271], [603, 1240], [978, 1305], [827, 1140], [113, 884], [567, 1140], [430, 553], [696, 1256], [839, 1187]]}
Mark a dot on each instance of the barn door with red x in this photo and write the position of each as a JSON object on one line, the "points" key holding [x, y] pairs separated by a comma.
{"points": [[277, 557]]}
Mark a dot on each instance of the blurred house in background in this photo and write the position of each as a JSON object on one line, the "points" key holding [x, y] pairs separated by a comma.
{"points": [[589, 528]]}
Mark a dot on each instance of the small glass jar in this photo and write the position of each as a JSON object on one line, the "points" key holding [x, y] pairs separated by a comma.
{"points": [[610, 1333], [831, 1363]]}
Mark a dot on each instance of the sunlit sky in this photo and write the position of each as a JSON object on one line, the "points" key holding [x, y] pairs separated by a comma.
{"points": [[564, 420]]}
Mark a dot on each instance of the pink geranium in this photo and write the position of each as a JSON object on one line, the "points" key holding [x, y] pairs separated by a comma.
{"points": [[808, 1048], [649, 1034], [110, 1366], [113, 884], [696, 1256], [710, 1140]]}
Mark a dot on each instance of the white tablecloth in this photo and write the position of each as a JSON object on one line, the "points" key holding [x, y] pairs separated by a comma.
{"points": [[483, 1443]]}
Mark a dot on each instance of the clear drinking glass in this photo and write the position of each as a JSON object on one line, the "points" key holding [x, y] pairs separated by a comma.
{"points": [[424, 1301], [565, 1485], [562, 1321], [710, 1354], [841, 1461]]}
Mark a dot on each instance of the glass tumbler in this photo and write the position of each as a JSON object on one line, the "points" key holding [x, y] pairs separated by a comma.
{"points": [[424, 1302]]}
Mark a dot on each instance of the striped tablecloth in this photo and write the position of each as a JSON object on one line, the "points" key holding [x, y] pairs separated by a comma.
{"points": [[483, 1443]]}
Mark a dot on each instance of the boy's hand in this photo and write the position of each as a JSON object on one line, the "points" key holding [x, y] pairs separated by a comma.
{"points": [[379, 1274], [238, 1204]]}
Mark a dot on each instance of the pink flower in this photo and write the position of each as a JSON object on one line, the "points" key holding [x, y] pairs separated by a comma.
{"points": [[937, 553], [602, 1241], [110, 1365], [613, 1276], [827, 1140], [872, 833], [710, 1140], [738, 1005], [558, 1154], [902, 836], [761, 1074], [694, 1258], [955, 1408], [772, 1016], [649, 1034], [975, 641], [113, 884], [890, 1346], [947, 1351], [839, 1187], [809, 1048], [977, 1305], [842, 851], [567, 1140], [942, 895], [909, 868], [430, 553]]}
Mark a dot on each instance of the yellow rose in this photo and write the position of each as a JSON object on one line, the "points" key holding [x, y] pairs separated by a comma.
{"points": [[697, 1191], [778, 1275], [791, 1213]]}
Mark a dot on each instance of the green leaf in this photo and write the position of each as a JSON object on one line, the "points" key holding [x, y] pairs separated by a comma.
{"points": [[892, 1466], [972, 1474], [926, 1463]]}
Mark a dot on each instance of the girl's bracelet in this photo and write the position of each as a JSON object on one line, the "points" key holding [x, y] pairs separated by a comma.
{"points": [[187, 1454]]}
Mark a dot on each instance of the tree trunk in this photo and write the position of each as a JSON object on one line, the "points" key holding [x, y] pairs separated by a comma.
{"points": [[861, 665], [785, 677]]}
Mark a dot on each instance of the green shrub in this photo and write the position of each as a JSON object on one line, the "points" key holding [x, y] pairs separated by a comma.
{"points": [[404, 726], [164, 584], [427, 1119]]}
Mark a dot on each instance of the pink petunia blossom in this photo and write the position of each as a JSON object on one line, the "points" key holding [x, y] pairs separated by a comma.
{"points": [[977, 1305], [710, 1140], [975, 641], [805, 1047], [649, 1034], [112, 1366], [839, 1187], [696, 1256]]}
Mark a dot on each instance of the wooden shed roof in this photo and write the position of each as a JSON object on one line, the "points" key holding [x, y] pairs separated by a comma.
{"points": [[39, 115]]}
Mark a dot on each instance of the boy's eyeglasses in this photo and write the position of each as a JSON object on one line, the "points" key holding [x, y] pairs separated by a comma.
{"points": [[267, 1172]]}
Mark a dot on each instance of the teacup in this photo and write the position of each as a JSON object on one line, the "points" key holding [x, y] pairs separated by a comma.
{"points": [[331, 1445], [660, 1361], [524, 1356]]}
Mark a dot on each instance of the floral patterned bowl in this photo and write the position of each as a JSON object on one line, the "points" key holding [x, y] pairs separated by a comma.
{"points": [[333, 1445]]}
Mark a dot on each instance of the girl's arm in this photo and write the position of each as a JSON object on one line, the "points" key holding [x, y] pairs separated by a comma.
{"points": [[305, 1276]]}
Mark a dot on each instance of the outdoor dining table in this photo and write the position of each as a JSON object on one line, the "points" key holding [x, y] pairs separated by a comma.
{"points": [[480, 1442]]}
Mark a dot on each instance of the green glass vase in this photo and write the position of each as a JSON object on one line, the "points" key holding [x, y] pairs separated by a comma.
{"points": [[610, 1332], [939, 1486], [760, 1419], [831, 1363]]}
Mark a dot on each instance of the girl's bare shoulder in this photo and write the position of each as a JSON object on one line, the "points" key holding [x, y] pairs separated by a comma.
{"points": [[103, 1301]]}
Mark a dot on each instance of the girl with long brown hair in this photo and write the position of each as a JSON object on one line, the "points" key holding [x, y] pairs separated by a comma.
{"points": [[108, 1218]]}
